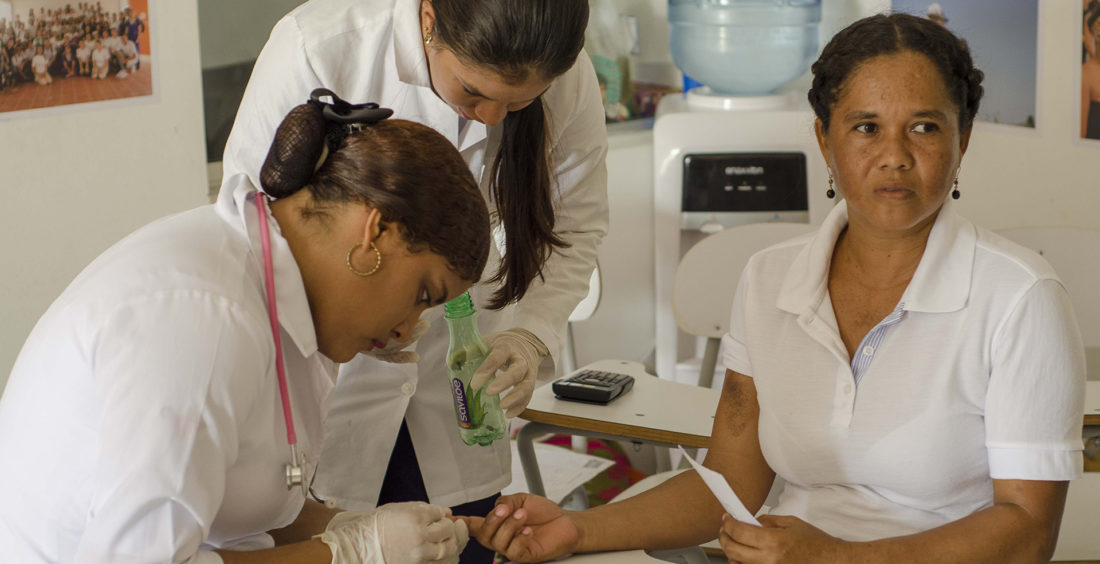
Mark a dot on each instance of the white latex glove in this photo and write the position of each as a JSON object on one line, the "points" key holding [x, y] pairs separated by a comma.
{"points": [[517, 353], [394, 350], [396, 533]]}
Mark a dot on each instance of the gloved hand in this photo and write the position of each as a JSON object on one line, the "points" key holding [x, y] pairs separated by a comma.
{"points": [[396, 533], [394, 350], [517, 353]]}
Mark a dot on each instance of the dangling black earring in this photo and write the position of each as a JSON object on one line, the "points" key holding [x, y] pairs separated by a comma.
{"points": [[830, 193], [955, 193]]}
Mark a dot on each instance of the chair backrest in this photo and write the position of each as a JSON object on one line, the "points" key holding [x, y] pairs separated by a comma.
{"points": [[707, 276], [584, 310], [587, 307], [1074, 253]]}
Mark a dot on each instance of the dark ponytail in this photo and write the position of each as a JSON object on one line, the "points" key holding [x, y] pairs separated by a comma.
{"points": [[513, 38], [523, 194]]}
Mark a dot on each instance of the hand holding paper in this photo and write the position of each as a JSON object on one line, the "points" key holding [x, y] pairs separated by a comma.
{"points": [[722, 490]]}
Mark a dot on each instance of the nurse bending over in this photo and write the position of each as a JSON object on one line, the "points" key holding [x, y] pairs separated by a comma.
{"points": [[151, 408], [916, 381]]}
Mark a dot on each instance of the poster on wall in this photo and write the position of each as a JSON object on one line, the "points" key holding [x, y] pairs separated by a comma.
{"points": [[1003, 38], [57, 53], [1090, 69]]}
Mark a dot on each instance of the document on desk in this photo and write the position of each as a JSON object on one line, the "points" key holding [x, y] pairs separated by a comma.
{"points": [[562, 470], [722, 490]]}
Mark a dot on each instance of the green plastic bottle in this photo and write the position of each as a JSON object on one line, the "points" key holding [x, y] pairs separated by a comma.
{"points": [[480, 419]]}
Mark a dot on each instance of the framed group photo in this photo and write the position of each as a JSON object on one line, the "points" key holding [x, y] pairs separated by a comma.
{"points": [[61, 53]]}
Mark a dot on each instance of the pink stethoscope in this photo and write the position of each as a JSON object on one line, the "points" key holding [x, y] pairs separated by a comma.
{"points": [[294, 475]]}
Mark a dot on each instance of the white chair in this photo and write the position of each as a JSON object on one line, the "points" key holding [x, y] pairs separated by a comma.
{"points": [[1075, 255], [702, 295], [584, 310], [706, 279]]}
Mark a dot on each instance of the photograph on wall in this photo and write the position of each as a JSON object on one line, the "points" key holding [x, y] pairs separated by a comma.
{"points": [[1003, 38], [58, 52], [1090, 69]]}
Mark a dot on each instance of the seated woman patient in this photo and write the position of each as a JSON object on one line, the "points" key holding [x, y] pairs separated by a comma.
{"points": [[154, 402], [916, 381]]}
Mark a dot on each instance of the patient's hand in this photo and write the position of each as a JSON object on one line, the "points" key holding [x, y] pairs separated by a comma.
{"points": [[782, 539], [525, 528]]}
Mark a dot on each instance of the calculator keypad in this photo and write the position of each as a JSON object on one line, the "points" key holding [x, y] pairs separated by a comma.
{"points": [[593, 386]]}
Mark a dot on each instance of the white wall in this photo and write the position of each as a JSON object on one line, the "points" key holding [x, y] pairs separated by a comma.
{"points": [[76, 179], [1011, 176], [1048, 176]]}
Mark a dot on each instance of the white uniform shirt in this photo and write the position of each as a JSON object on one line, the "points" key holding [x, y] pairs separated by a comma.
{"points": [[372, 51], [981, 379], [142, 420]]}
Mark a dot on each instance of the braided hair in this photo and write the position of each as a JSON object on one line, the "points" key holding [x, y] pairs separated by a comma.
{"points": [[884, 34]]}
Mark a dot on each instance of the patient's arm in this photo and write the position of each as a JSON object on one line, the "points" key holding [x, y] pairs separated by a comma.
{"points": [[682, 511], [1021, 526], [679, 512]]}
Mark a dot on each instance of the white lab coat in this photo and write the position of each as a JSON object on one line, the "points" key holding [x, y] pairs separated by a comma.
{"points": [[372, 51], [142, 421]]}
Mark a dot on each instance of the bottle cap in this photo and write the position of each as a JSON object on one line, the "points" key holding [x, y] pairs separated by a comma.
{"points": [[459, 307]]}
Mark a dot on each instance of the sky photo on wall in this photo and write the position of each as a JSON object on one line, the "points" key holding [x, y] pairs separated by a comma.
{"points": [[1003, 38], [59, 52]]}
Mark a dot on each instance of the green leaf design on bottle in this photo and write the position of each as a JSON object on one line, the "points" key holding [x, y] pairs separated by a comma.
{"points": [[477, 411]]}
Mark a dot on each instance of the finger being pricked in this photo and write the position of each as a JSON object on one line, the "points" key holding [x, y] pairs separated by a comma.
{"points": [[503, 525]]}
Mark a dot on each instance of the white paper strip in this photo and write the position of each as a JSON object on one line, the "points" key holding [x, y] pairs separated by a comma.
{"points": [[722, 490]]}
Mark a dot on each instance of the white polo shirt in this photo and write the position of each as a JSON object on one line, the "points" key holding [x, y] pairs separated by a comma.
{"points": [[981, 378]]}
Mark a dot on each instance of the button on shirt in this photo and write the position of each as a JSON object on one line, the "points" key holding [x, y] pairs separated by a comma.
{"points": [[978, 374]]}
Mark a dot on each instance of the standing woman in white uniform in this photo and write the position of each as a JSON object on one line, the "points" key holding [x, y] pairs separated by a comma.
{"points": [[507, 83], [157, 411]]}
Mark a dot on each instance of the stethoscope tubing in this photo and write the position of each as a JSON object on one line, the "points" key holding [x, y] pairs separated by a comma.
{"points": [[294, 469]]}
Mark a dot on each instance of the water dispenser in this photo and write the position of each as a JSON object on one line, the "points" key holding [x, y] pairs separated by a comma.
{"points": [[739, 149], [743, 47]]}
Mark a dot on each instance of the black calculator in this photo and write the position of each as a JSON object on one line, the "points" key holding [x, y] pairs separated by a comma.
{"points": [[593, 386]]}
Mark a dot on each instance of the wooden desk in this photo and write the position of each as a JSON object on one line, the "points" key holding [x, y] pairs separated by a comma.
{"points": [[655, 411]]}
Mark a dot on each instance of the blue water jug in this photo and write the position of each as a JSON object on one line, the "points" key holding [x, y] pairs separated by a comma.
{"points": [[743, 47]]}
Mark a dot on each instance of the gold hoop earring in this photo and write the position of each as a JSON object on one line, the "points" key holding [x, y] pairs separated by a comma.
{"points": [[377, 264], [830, 193]]}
